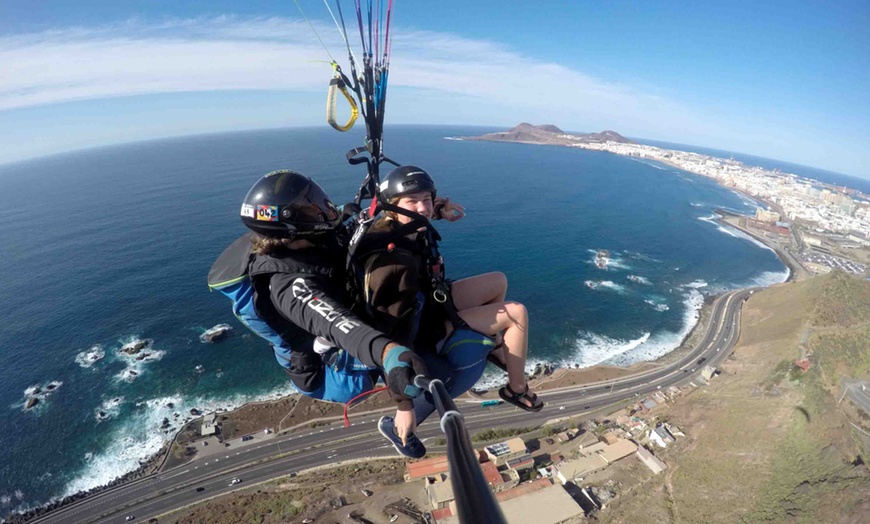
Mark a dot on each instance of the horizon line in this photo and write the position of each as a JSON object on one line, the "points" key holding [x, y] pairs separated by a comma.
{"points": [[5, 164]]}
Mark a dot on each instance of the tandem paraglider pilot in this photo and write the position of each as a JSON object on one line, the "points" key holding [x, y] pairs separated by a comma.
{"points": [[286, 281]]}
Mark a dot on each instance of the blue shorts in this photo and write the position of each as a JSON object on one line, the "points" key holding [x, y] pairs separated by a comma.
{"points": [[459, 364], [346, 378]]}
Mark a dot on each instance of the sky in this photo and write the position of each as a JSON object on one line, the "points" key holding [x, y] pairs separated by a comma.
{"points": [[783, 80]]}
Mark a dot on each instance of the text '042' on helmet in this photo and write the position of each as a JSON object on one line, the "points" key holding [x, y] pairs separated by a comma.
{"points": [[405, 180], [287, 204]]}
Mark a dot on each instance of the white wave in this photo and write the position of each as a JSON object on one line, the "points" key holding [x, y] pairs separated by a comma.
{"points": [[137, 362], [727, 231], [5, 500], [714, 219], [494, 377], [658, 306], [32, 390], [648, 163], [592, 349], [90, 356], [641, 256], [128, 375], [696, 284], [606, 285], [769, 278], [139, 436], [741, 235], [617, 263], [639, 279], [663, 343], [109, 409], [452, 138], [748, 202], [695, 204]]}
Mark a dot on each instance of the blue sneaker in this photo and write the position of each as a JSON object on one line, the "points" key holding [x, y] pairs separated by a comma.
{"points": [[413, 449]]}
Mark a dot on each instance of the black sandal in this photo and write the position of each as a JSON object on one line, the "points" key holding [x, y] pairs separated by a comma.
{"points": [[512, 397]]}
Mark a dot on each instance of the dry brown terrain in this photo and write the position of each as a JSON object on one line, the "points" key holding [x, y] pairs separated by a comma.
{"points": [[767, 443], [309, 496]]}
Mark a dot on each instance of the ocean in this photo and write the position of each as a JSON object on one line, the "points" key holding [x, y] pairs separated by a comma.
{"points": [[103, 246]]}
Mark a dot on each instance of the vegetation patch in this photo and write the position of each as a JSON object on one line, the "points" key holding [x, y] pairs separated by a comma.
{"points": [[499, 433]]}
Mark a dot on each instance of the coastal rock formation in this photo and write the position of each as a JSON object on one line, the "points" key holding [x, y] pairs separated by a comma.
{"points": [[134, 347], [31, 403], [550, 135], [219, 332]]}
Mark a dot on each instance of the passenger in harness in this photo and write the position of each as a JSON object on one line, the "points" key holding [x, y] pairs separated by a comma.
{"points": [[286, 280], [408, 297]]}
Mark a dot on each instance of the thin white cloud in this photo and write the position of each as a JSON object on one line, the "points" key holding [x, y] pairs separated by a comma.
{"points": [[233, 53], [435, 78]]}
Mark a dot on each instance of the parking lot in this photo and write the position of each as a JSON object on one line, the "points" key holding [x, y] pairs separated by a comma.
{"points": [[833, 262]]}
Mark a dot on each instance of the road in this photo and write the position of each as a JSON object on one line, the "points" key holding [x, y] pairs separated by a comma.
{"points": [[279, 456], [858, 392]]}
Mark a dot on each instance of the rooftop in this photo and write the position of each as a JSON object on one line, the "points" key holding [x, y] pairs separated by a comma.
{"points": [[427, 467], [539, 502]]}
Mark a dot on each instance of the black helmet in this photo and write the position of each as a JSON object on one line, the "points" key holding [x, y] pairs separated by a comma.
{"points": [[404, 180], [286, 204]]}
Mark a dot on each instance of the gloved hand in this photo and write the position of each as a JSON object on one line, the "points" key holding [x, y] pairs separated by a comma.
{"points": [[401, 365]]}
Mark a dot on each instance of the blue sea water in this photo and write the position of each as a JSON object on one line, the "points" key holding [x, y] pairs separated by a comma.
{"points": [[102, 246]]}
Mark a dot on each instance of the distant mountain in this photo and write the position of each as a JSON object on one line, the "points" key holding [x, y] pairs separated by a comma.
{"points": [[549, 134]]}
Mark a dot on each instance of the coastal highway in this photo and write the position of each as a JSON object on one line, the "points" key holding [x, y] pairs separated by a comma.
{"points": [[270, 458]]}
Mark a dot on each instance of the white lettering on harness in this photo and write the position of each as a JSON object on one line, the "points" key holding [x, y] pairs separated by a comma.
{"points": [[302, 292]]}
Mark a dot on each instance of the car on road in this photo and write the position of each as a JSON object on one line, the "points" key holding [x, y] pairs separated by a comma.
{"points": [[129, 518], [235, 481], [561, 408], [702, 360], [366, 492], [549, 441], [307, 521], [247, 438], [200, 489]]}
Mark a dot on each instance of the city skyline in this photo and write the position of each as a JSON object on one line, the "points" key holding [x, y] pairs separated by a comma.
{"points": [[746, 79]]}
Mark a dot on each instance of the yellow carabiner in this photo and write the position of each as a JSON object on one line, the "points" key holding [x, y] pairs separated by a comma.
{"points": [[335, 85]]}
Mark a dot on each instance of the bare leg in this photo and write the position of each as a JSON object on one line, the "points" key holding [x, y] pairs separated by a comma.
{"points": [[479, 290], [513, 319]]}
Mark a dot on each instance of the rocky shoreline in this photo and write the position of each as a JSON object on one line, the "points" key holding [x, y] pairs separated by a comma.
{"points": [[146, 468]]}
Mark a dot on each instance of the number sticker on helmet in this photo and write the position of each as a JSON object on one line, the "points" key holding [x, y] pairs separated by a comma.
{"points": [[267, 213], [247, 211]]}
